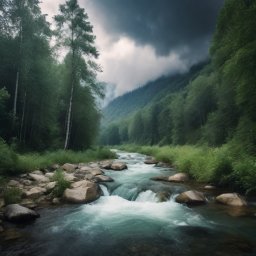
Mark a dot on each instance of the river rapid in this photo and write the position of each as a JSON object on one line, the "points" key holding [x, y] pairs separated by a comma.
{"points": [[130, 220]]}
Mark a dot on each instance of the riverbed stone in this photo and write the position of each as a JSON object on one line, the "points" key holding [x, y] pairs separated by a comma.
{"points": [[69, 167], [26, 182], [82, 192], [50, 186], [49, 175], [163, 196], [2, 203], [16, 213], [35, 192], [38, 172], [103, 178], [70, 177], [28, 203], [179, 177], [209, 187], [39, 178], [13, 183], [150, 160], [118, 166], [106, 164], [231, 199], [191, 197]]}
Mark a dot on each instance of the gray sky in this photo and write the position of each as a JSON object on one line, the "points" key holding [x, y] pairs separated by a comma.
{"points": [[140, 40]]}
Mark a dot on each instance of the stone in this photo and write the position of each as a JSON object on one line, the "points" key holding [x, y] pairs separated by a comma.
{"points": [[191, 197], [35, 192], [103, 178], [38, 172], [163, 165], [150, 160], [26, 182], [69, 177], [82, 192], [50, 186], [49, 175], [106, 164], [85, 169], [56, 200], [13, 183], [231, 199], [96, 171], [17, 213], [160, 178], [209, 187], [118, 166], [179, 177], [28, 203], [94, 165], [39, 178], [69, 167], [55, 167]]}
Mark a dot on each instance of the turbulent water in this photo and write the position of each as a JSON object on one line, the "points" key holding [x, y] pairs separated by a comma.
{"points": [[130, 220]]}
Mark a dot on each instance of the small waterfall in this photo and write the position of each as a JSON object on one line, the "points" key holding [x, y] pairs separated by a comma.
{"points": [[104, 190], [147, 196]]}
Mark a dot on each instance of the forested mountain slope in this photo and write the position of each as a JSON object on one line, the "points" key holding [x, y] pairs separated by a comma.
{"points": [[216, 107], [130, 102]]}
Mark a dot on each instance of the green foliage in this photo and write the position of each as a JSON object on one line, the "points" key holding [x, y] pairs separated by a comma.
{"points": [[8, 159], [12, 195], [61, 183]]}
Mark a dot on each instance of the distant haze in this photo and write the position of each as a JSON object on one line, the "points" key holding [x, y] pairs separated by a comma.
{"points": [[141, 40]]}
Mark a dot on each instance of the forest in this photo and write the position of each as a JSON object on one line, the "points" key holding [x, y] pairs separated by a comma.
{"points": [[213, 107]]}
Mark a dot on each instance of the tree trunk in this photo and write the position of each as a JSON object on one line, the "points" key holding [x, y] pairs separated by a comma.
{"points": [[23, 115], [69, 117]]}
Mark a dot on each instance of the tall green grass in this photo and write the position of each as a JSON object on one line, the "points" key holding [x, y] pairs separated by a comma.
{"points": [[220, 166], [11, 163]]}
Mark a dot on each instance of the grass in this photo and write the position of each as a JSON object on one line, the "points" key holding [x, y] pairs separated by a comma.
{"points": [[12, 195], [220, 166], [61, 183], [12, 164]]}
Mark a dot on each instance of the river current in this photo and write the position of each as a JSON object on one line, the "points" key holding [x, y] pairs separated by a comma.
{"points": [[130, 219]]}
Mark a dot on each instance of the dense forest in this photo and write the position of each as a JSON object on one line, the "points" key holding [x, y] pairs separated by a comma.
{"points": [[46, 101], [214, 104]]}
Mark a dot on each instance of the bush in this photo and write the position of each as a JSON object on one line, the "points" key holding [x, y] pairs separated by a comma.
{"points": [[12, 195], [8, 159], [61, 183]]}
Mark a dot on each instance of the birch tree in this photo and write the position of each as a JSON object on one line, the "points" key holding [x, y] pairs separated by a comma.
{"points": [[76, 34]]}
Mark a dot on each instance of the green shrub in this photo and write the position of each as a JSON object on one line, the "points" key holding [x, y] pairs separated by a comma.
{"points": [[12, 195], [8, 159], [61, 183]]}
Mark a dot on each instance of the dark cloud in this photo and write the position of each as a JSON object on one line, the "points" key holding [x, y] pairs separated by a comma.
{"points": [[167, 25]]}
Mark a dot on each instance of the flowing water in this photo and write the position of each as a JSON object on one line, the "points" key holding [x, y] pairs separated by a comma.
{"points": [[130, 220]]}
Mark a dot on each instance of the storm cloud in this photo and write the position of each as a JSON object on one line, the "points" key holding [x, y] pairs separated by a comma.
{"points": [[141, 40], [166, 25]]}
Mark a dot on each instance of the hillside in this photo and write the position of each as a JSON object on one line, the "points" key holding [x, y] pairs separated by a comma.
{"points": [[129, 103]]}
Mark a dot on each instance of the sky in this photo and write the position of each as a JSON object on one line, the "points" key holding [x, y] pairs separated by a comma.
{"points": [[141, 40]]}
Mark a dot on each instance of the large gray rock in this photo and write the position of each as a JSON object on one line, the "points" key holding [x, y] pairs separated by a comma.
{"points": [[179, 177], [16, 213], [118, 166], [82, 192], [39, 178], [232, 199], [191, 197]]}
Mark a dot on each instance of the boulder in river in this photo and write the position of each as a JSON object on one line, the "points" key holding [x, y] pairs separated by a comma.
{"points": [[17, 213], [106, 164], [103, 178], [191, 197], [179, 177], [150, 160], [118, 166], [232, 199], [82, 192]]}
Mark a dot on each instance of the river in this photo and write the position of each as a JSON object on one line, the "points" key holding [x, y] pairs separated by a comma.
{"points": [[130, 220]]}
